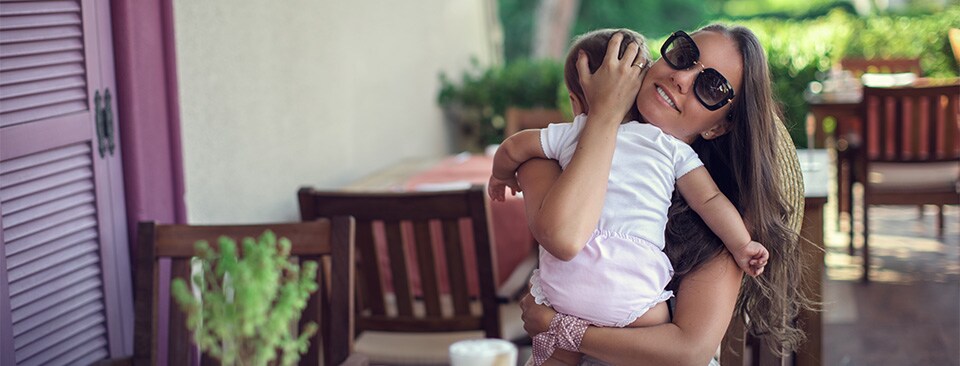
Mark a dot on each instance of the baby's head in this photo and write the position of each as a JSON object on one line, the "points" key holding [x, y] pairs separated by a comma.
{"points": [[594, 44]]}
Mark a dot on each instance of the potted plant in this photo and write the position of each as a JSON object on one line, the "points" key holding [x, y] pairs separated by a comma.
{"points": [[478, 103], [240, 307]]}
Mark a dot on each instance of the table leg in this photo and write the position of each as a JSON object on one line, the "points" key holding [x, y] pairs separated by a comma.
{"points": [[810, 352]]}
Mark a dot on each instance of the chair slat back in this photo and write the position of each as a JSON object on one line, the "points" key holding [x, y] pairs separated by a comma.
{"points": [[407, 242], [916, 124], [331, 306], [859, 66]]}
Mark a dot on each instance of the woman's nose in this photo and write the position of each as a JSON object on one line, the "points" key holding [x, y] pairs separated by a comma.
{"points": [[684, 78]]}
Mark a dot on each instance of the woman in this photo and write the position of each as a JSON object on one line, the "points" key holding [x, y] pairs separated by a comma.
{"points": [[738, 147]]}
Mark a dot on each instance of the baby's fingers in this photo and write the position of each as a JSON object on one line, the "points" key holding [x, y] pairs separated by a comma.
{"points": [[495, 192]]}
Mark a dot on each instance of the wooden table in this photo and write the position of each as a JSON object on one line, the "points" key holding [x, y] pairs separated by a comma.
{"points": [[843, 109], [815, 165]]}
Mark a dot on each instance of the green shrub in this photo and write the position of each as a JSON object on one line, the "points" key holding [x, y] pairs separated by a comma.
{"points": [[247, 304], [923, 36], [799, 49], [796, 52], [483, 95]]}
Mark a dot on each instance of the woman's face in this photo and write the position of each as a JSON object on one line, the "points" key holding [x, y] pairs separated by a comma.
{"points": [[686, 118]]}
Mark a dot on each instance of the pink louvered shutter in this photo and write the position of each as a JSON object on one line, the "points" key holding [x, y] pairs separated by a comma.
{"points": [[63, 263]]}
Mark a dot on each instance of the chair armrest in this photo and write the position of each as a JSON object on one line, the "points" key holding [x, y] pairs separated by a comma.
{"points": [[516, 285]]}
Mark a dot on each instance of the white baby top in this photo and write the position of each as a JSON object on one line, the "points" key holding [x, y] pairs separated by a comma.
{"points": [[622, 270], [646, 164]]}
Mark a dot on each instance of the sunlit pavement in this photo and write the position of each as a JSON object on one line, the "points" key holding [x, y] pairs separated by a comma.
{"points": [[909, 314]]}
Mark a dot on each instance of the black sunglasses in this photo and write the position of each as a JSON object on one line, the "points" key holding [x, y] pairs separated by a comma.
{"points": [[711, 88]]}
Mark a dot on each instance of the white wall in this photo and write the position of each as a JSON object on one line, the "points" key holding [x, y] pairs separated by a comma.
{"points": [[279, 94]]}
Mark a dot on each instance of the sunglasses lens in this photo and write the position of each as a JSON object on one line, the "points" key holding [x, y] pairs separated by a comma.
{"points": [[712, 87], [681, 52]]}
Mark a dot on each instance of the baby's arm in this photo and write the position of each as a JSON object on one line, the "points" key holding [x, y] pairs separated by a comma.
{"points": [[515, 150], [702, 194]]}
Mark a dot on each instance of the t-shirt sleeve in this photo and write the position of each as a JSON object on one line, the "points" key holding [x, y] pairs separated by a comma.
{"points": [[685, 160], [556, 136]]}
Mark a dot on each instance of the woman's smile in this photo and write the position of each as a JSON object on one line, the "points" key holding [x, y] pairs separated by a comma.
{"points": [[666, 97]]}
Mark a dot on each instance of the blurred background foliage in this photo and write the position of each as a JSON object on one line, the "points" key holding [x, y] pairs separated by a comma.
{"points": [[803, 39], [479, 99]]}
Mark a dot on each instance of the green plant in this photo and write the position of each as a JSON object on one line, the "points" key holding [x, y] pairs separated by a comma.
{"points": [[247, 303], [482, 95]]}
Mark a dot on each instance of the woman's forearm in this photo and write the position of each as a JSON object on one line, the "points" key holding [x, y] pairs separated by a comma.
{"points": [[571, 207], [656, 345]]}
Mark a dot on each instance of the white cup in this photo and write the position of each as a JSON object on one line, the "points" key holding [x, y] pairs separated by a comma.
{"points": [[483, 352]]}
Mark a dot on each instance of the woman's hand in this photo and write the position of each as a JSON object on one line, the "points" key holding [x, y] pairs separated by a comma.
{"points": [[613, 88], [536, 318]]}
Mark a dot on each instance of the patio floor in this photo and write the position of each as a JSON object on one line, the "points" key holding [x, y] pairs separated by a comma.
{"points": [[910, 313]]}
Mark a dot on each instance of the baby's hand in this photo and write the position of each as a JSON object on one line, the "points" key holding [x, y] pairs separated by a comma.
{"points": [[752, 258], [498, 186]]}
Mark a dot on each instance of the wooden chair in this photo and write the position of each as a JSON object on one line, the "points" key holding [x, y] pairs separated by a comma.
{"points": [[518, 119], [859, 66], [315, 240], [396, 324], [847, 131], [911, 151]]}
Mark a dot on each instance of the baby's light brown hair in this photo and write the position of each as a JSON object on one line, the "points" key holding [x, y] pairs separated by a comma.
{"points": [[594, 44]]}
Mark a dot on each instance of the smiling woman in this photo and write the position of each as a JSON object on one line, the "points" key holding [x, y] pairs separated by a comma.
{"points": [[738, 144]]}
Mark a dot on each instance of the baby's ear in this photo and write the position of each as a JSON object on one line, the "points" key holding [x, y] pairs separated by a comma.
{"points": [[576, 105]]}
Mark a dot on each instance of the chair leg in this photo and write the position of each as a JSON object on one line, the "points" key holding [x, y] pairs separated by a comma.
{"points": [[843, 191], [866, 242], [939, 221], [852, 217], [853, 235]]}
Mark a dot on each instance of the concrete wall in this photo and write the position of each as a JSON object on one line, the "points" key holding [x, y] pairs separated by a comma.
{"points": [[279, 94]]}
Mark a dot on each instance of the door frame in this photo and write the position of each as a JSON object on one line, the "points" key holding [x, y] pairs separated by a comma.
{"points": [[149, 114]]}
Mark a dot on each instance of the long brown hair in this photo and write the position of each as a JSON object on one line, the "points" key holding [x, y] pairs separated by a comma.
{"points": [[743, 164]]}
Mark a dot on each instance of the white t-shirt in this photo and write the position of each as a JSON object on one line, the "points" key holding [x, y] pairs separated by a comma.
{"points": [[622, 271], [646, 165]]}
